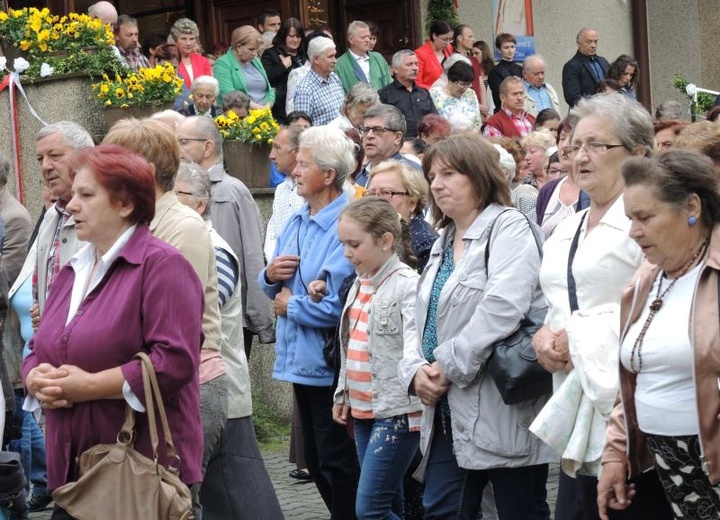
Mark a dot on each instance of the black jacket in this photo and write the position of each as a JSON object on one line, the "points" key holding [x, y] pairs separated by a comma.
{"points": [[577, 77], [278, 74]]}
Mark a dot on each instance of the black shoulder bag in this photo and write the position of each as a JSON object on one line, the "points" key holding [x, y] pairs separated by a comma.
{"points": [[513, 364]]}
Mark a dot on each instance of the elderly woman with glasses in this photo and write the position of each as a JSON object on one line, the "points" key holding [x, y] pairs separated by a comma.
{"points": [[241, 69], [407, 191], [185, 34], [456, 101], [588, 260], [308, 249]]}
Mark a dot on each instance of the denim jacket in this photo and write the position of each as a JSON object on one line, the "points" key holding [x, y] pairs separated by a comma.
{"points": [[391, 327], [475, 311]]}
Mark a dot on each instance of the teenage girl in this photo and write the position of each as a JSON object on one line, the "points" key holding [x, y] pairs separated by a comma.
{"points": [[378, 319]]}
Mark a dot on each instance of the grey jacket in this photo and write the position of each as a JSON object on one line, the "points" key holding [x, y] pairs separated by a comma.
{"points": [[474, 312], [391, 327]]}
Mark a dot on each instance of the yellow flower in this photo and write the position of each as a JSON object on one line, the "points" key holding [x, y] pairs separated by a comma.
{"points": [[24, 45], [119, 93], [104, 88], [3, 16], [108, 102]]}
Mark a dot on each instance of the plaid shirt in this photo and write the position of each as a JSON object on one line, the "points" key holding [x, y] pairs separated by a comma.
{"points": [[522, 123], [53, 261], [134, 59], [321, 98]]}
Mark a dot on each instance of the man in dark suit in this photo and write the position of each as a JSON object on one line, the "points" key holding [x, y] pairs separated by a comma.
{"points": [[581, 75]]}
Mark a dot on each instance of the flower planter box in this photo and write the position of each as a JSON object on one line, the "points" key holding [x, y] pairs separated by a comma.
{"points": [[115, 114], [249, 163]]}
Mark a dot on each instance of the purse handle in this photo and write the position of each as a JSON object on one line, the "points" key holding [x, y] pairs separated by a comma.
{"points": [[127, 432]]}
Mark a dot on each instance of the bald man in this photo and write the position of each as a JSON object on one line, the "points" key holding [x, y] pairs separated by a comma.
{"points": [[105, 12]]}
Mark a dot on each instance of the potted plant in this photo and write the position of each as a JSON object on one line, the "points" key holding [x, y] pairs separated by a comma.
{"points": [[138, 94], [55, 45], [246, 145], [699, 100]]}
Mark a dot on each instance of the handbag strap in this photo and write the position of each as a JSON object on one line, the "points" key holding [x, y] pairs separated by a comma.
{"points": [[492, 226], [151, 385], [572, 289]]}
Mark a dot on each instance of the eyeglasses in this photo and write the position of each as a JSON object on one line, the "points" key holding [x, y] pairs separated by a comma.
{"points": [[178, 192], [185, 140], [377, 130], [385, 194], [594, 148]]}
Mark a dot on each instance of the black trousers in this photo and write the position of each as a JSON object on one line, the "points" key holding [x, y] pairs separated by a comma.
{"points": [[577, 499], [329, 451]]}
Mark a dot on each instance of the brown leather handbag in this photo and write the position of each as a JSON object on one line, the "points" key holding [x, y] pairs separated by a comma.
{"points": [[116, 482]]}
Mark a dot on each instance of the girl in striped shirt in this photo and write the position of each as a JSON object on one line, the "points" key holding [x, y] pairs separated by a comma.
{"points": [[378, 319]]}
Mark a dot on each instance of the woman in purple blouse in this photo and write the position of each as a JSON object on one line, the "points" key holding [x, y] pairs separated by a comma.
{"points": [[123, 293]]}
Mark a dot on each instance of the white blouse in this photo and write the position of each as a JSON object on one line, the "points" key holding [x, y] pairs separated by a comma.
{"points": [[665, 395], [605, 262]]}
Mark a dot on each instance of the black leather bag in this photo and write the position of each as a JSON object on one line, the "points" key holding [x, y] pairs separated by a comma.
{"points": [[513, 364], [12, 482]]}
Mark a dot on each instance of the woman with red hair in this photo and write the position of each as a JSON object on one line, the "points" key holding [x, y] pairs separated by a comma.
{"points": [[124, 292]]}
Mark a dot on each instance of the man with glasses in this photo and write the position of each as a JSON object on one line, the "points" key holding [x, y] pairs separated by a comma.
{"points": [[236, 217], [538, 94], [414, 102], [382, 137], [511, 120], [359, 64]]}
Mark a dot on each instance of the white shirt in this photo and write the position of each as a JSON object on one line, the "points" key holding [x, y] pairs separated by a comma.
{"points": [[285, 203], [83, 262], [364, 62], [604, 264], [665, 394]]}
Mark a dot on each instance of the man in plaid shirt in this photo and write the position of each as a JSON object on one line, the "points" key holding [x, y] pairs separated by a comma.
{"points": [[127, 36], [511, 120], [320, 93]]}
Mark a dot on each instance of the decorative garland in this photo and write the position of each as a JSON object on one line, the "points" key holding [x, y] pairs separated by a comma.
{"points": [[442, 10]]}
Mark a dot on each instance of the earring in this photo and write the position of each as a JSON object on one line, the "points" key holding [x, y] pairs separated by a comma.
{"points": [[692, 220], [384, 248]]}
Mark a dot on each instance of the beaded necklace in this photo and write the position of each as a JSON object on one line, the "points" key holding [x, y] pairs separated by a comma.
{"points": [[656, 304]]}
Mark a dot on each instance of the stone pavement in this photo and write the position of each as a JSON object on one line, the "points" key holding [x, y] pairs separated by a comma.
{"points": [[300, 499]]}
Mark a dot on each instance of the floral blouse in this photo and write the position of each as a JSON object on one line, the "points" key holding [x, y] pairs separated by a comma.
{"points": [[463, 112]]}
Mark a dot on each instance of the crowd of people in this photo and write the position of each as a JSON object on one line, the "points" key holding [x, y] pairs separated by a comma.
{"points": [[427, 208]]}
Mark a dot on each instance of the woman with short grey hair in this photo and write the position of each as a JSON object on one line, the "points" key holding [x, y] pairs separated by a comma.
{"points": [[185, 34], [358, 100], [308, 249]]}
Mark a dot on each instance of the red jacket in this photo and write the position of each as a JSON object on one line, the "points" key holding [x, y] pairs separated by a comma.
{"points": [[200, 67], [429, 68]]}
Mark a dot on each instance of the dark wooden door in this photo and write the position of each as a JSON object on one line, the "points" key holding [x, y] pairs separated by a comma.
{"points": [[398, 21]]}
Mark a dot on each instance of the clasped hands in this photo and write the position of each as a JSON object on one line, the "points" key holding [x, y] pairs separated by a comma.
{"points": [[430, 383], [59, 387], [552, 350]]}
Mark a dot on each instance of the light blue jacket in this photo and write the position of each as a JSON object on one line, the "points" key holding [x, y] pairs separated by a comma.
{"points": [[301, 335]]}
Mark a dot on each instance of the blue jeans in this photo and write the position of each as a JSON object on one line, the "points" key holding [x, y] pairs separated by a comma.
{"points": [[385, 450], [452, 492], [31, 447]]}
